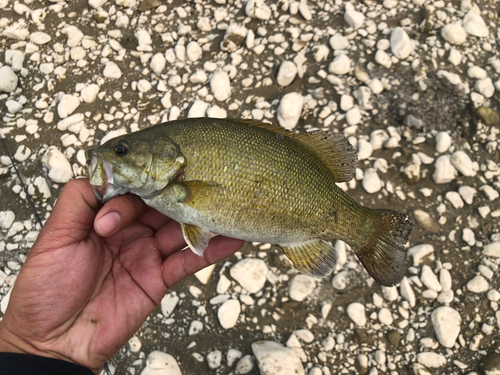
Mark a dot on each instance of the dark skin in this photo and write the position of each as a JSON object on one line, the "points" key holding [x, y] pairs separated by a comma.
{"points": [[91, 280]]}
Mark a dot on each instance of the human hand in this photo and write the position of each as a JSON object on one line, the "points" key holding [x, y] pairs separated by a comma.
{"points": [[93, 276]]}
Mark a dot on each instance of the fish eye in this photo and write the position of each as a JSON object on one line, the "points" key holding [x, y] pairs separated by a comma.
{"points": [[121, 148]]}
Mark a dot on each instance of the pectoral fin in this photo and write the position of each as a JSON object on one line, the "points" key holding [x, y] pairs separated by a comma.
{"points": [[196, 237], [315, 257], [195, 193]]}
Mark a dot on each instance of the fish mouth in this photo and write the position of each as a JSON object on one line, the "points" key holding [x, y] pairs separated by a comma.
{"points": [[101, 176]]}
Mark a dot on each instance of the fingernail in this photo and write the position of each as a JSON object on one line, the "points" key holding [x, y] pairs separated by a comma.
{"points": [[108, 223]]}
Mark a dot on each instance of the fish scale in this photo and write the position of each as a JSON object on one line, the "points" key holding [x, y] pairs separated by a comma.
{"points": [[256, 182]]}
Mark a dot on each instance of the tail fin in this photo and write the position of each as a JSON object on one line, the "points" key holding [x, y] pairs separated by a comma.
{"points": [[383, 253]]}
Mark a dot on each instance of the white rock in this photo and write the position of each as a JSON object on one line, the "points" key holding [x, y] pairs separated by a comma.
{"points": [[429, 279], [112, 71], [168, 304], [193, 51], [339, 281], [40, 38], [478, 285], [357, 313], [353, 116], [454, 198], [8, 79], [161, 363], [446, 322], [195, 327], [407, 292], [492, 250], [445, 279], [22, 153], [485, 87], [258, 9], [371, 181], [67, 105], [13, 106], [382, 58], [363, 96], [6, 219], [220, 85], [467, 193], [462, 162], [15, 58], [353, 18], [474, 24], [216, 112], [290, 109], [89, 93], [365, 149], [250, 273], [234, 37], [490, 193], [204, 274], [476, 72], [401, 44], [286, 73], [444, 171], [385, 316], [468, 236], [233, 355], [430, 359], [275, 359], [301, 286], [375, 85], [60, 170], [134, 344], [143, 37], [419, 252], [198, 109], [214, 359], [158, 63], [126, 3], [454, 33], [339, 42], [97, 3], [346, 102], [340, 65], [443, 142], [455, 57], [228, 313], [74, 34]]}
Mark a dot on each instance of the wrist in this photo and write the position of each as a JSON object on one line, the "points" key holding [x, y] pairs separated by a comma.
{"points": [[12, 343]]}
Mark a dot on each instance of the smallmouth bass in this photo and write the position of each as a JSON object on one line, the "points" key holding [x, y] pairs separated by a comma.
{"points": [[257, 182]]}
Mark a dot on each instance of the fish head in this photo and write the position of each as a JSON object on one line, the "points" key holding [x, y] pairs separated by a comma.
{"points": [[132, 164]]}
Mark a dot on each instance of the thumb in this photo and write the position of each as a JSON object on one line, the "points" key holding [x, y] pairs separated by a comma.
{"points": [[73, 215]]}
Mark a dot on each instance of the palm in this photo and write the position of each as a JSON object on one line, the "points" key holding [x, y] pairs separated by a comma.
{"points": [[82, 296]]}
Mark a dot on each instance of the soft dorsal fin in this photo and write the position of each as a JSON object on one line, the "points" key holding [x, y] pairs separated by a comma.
{"points": [[331, 148]]}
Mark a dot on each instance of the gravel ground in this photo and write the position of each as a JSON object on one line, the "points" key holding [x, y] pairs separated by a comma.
{"points": [[412, 84]]}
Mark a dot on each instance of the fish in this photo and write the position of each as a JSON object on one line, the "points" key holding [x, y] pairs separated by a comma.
{"points": [[257, 182]]}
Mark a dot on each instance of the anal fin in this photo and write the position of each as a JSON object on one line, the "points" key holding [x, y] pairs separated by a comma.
{"points": [[196, 237], [315, 257]]}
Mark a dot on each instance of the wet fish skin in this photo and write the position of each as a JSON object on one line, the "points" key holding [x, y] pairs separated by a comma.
{"points": [[255, 182]]}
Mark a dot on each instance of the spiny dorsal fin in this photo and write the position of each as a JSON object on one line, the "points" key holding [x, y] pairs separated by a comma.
{"points": [[331, 148], [315, 258], [196, 237]]}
